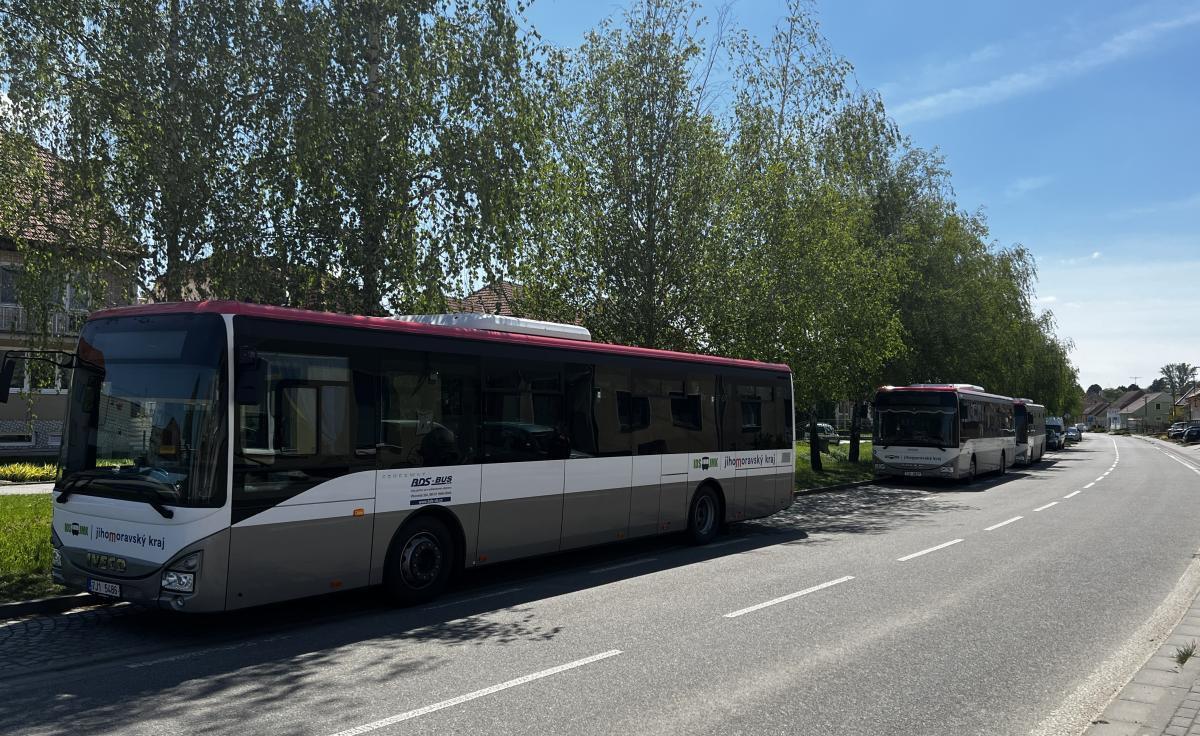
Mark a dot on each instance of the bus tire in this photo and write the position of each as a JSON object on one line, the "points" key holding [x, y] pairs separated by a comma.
{"points": [[419, 562], [1003, 463], [704, 516], [971, 471]]}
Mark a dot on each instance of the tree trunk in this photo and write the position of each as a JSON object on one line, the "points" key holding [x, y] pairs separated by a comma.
{"points": [[855, 410], [814, 444]]}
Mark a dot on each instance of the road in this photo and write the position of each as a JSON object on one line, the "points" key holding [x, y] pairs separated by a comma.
{"points": [[1008, 608]]}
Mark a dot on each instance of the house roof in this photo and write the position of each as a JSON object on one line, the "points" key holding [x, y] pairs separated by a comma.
{"points": [[1126, 399], [1098, 407], [494, 298], [43, 222], [1190, 395], [289, 314], [1140, 403]]}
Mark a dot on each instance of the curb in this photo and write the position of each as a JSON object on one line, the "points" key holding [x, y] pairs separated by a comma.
{"points": [[838, 487], [45, 606]]}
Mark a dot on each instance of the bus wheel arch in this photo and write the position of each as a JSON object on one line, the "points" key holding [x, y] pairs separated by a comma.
{"points": [[424, 554]]}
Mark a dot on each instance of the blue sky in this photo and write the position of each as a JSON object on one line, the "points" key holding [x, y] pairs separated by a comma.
{"points": [[1073, 124]]}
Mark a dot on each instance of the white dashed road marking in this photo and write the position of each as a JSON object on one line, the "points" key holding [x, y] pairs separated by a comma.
{"points": [[997, 526], [409, 715], [494, 594], [1089, 485], [927, 551], [788, 597], [620, 565], [1072, 493], [1043, 508]]}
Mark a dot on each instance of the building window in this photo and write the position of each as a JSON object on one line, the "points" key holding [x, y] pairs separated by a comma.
{"points": [[8, 284]]}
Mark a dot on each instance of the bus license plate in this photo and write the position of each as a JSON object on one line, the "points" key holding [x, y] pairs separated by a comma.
{"points": [[108, 590], [913, 473]]}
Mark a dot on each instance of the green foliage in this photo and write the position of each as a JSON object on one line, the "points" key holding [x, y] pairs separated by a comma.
{"points": [[25, 547], [28, 472]]}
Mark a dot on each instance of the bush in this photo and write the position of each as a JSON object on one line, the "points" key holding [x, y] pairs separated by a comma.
{"points": [[28, 472]]}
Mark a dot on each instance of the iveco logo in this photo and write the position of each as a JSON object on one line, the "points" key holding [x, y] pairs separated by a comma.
{"points": [[105, 562]]}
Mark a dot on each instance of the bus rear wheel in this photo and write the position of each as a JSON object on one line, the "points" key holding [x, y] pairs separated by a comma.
{"points": [[1003, 463], [419, 562], [704, 517], [971, 471]]}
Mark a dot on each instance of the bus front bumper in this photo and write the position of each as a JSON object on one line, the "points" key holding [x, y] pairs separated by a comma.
{"points": [[888, 470], [144, 584]]}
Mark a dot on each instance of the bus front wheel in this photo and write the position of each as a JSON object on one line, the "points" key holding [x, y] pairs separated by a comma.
{"points": [[419, 561], [971, 472]]}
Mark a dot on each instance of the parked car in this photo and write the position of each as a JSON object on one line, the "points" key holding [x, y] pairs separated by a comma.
{"points": [[1190, 435], [1054, 439], [1176, 429], [826, 433], [1073, 434]]}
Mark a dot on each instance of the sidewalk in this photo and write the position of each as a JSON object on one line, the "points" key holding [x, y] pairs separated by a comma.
{"points": [[23, 489], [1163, 698]]}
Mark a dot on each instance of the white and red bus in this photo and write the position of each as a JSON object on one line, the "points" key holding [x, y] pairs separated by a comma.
{"points": [[1030, 422], [942, 431], [218, 455]]}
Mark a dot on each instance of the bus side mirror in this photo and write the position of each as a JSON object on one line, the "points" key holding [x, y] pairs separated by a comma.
{"points": [[250, 388], [6, 378]]}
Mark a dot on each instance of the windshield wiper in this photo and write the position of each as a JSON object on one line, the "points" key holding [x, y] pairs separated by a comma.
{"points": [[138, 484]]}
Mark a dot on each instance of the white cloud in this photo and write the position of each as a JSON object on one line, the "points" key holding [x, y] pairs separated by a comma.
{"points": [[1096, 255], [1039, 76], [1025, 185], [1046, 299]]}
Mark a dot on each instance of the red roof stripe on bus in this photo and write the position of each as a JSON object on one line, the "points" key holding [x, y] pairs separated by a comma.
{"points": [[945, 389], [413, 328]]}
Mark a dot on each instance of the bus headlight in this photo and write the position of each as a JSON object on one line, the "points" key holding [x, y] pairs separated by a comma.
{"points": [[55, 557], [181, 576], [179, 582]]}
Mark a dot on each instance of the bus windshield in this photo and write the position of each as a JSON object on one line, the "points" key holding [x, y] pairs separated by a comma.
{"points": [[916, 419], [146, 415]]}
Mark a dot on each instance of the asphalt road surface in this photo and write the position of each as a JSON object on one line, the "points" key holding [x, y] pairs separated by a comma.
{"points": [[890, 609]]}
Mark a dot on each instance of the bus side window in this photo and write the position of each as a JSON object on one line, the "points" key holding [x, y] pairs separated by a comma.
{"points": [[430, 411]]}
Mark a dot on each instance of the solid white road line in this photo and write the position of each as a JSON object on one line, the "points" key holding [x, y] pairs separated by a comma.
{"points": [[1089, 485], [447, 604], [1043, 508], [618, 566], [927, 551], [788, 597], [997, 526], [409, 715], [1072, 493]]}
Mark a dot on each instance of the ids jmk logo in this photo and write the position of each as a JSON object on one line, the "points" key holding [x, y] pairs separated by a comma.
{"points": [[105, 562], [704, 463], [75, 529]]}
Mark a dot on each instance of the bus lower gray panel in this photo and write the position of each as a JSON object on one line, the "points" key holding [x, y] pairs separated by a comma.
{"points": [[518, 527], [643, 511], [672, 503], [271, 562], [785, 488], [735, 497], [595, 517], [760, 495]]}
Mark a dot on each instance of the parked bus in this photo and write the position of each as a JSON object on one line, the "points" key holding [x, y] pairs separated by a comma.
{"points": [[219, 455], [1030, 421], [942, 431]]}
